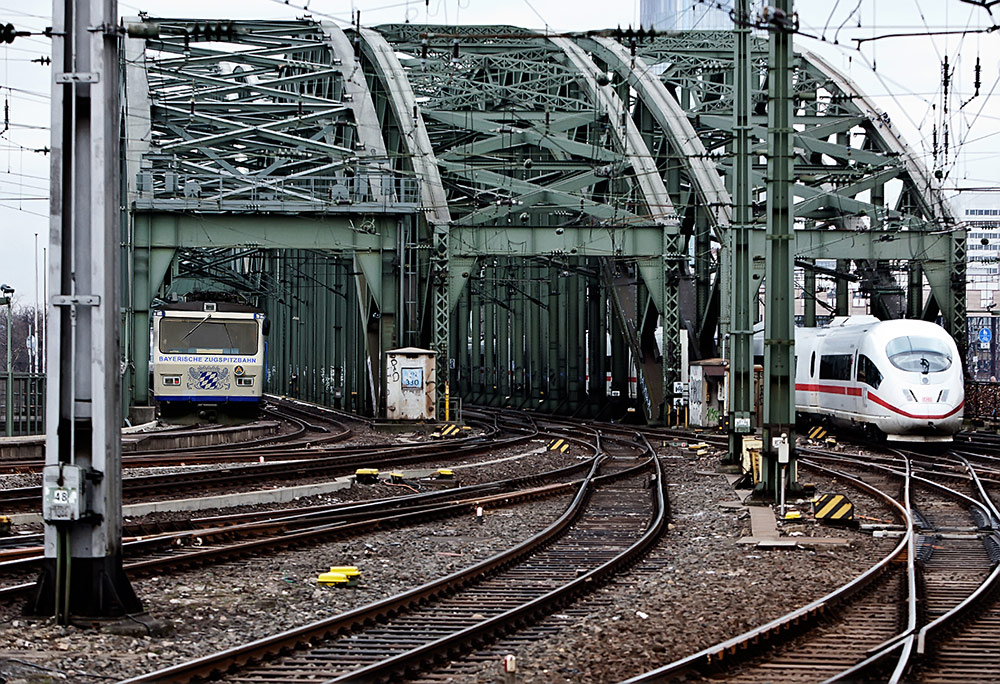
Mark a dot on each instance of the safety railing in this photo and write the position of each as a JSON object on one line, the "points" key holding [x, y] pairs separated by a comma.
{"points": [[26, 413], [370, 189]]}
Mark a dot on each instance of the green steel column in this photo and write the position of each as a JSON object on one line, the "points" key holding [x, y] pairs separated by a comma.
{"points": [[621, 369], [440, 298], [809, 297], [461, 334], [502, 337], [843, 289], [491, 381], [572, 347], [915, 291], [339, 340], [742, 294], [596, 368], [956, 313], [555, 318], [476, 377], [517, 341], [779, 341], [536, 346], [702, 266]]}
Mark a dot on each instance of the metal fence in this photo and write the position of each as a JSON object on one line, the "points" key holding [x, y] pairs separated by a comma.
{"points": [[26, 415]]}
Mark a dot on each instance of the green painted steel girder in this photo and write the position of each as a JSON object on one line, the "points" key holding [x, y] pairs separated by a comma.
{"points": [[416, 166]]}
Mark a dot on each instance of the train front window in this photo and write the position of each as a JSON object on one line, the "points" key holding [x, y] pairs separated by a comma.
{"points": [[919, 354], [207, 336]]}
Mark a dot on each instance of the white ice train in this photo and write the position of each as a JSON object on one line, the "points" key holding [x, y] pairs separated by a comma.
{"points": [[208, 357], [901, 378]]}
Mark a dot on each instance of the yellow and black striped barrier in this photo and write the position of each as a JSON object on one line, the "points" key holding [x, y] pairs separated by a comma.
{"points": [[818, 432], [447, 431], [560, 445], [833, 508]]}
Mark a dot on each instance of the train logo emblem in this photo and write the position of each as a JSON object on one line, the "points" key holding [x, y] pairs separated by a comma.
{"points": [[211, 378]]}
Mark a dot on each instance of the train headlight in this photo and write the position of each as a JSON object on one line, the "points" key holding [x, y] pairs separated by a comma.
{"points": [[172, 380], [244, 382]]}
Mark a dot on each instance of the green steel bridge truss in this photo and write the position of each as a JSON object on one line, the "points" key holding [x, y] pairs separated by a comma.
{"points": [[547, 213]]}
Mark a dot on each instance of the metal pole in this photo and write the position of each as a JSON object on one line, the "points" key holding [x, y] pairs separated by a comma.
{"points": [[779, 339], [82, 574], [743, 290], [35, 364], [10, 369]]}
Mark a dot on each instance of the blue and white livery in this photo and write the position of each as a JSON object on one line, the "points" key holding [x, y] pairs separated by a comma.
{"points": [[208, 354]]}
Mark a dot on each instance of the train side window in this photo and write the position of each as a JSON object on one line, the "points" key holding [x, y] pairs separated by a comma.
{"points": [[835, 367], [868, 372], [812, 365]]}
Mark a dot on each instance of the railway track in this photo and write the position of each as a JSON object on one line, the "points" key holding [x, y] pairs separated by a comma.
{"points": [[889, 630], [221, 538], [299, 464], [614, 518]]}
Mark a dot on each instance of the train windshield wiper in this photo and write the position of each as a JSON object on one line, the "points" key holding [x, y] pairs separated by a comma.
{"points": [[189, 332], [232, 345], [925, 365]]}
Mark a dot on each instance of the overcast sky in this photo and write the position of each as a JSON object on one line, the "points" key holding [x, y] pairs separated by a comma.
{"points": [[906, 81]]}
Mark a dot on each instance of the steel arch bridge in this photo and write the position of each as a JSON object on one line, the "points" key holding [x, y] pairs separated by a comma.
{"points": [[535, 208]]}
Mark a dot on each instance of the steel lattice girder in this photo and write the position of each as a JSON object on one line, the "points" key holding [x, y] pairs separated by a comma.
{"points": [[522, 145]]}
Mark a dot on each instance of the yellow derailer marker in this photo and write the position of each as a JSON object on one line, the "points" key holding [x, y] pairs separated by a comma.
{"points": [[833, 508], [697, 447], [444, 474], [332, 579], [340, 576], [446, 431], [818, 432], [560, 445]]}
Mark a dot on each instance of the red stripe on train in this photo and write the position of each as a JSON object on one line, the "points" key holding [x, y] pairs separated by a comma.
{"points": [[829, 389], [856, 392], [905, 414]]}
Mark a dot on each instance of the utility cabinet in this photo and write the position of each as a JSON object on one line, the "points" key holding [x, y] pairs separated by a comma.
{"points": [[409, 379], [707, 392]]}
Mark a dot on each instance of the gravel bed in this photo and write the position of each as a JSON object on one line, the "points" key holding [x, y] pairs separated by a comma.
{"points": [[697, 588], [208, 610]]}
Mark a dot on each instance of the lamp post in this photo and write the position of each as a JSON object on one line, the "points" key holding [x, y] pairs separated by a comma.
{"points": [[8, 296]]}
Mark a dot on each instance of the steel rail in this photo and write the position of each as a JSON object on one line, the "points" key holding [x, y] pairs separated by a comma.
{"points": [[271, 646], [713, 655], [208, 529], [914, 641], [490, 628]]}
